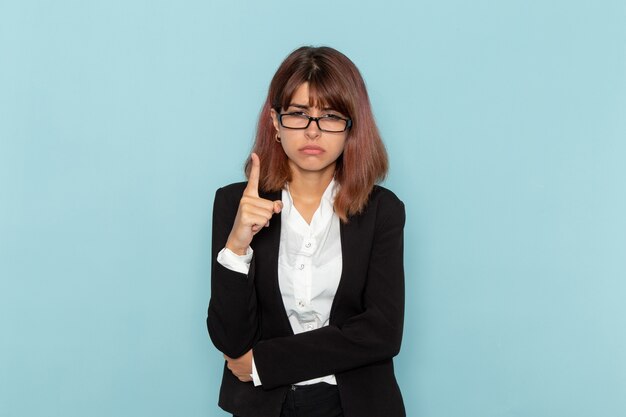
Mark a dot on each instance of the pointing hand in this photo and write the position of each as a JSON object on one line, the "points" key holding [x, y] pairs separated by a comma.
{"points": [[253, 214]]}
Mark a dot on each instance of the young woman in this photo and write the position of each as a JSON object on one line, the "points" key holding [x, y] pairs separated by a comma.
{"points": [[307, 287]]}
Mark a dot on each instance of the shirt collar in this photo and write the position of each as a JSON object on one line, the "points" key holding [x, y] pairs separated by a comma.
{"points": [[324, 211]]}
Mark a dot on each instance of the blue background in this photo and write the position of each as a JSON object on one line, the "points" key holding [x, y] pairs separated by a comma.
{"points": [[505, 122]]}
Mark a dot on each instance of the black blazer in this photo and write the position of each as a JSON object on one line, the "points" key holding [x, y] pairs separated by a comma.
{"points": [[366, 317]]}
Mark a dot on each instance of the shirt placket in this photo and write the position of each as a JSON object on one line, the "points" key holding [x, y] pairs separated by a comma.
{"points": [[304, 274]]}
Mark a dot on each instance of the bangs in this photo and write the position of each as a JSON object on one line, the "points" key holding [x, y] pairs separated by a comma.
{"points": [[325, 91]]}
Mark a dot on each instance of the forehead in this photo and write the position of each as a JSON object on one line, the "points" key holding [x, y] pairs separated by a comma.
{"points": [[306, 95], [301, 94]]}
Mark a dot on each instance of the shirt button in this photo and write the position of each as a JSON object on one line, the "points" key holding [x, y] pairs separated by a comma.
{"points": [[308, 245], [301, 266], [300, 303]]}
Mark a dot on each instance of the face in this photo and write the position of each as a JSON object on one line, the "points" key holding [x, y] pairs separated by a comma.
{"points": [[310, 150]]}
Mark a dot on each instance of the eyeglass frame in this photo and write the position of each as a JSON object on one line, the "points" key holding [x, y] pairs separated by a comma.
{"points": [[316, 120]]}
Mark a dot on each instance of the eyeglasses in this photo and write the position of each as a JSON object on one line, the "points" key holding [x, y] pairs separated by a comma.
{"points": [[326, 123]]}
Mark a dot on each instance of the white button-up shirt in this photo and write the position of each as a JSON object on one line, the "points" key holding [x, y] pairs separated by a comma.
{"points": [[309, 266]]}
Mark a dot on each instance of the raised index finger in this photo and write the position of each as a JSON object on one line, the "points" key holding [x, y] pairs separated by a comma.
{"points": [[252, 189]]}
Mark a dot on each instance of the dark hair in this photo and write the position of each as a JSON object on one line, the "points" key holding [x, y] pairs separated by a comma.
{"points": [[334, 81]]}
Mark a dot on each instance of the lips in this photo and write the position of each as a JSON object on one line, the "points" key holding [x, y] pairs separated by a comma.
{"points": [[311, 150]]}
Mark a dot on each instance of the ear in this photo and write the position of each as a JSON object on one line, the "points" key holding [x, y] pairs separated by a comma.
{"points": [[274, 117]]}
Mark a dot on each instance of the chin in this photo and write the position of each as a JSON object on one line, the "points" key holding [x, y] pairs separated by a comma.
{"points": [[314, 166], [311, 163]]}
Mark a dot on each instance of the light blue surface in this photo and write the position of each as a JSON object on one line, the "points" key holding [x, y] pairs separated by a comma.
{"points": [[506, 126]]}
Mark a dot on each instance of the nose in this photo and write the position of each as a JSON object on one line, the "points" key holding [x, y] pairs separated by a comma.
{"points": [[312, 131]]}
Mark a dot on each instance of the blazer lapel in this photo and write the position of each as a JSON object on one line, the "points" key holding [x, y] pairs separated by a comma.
{"points": [[350, 243], [266, 244]]}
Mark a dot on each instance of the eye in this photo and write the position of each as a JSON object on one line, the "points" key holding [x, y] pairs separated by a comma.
{"points": [[298, 114], [332, 116]]}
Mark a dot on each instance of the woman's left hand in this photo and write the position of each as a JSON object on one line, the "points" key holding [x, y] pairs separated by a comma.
{"points": [[241, 367]]}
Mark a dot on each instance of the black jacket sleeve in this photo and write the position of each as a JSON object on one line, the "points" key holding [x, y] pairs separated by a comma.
{"points": [[371, 336], [232, 318]]}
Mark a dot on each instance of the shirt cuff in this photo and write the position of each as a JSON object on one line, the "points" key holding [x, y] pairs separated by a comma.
{"points": [[255, 374], [238, 263]]}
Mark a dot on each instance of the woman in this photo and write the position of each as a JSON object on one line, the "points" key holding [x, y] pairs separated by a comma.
{"points": [[307, 284]]}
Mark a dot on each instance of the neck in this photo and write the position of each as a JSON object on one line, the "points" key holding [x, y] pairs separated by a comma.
{"points": [[309, 185]]}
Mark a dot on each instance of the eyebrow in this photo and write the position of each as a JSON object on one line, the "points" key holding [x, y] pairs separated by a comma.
{"points": [[302, 106]]}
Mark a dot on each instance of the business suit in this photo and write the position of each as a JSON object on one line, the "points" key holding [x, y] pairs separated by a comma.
{"points": [[366, 317]]}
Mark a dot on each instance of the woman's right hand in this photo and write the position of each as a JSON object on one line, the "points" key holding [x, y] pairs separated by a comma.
{"points": [[253, 213]]}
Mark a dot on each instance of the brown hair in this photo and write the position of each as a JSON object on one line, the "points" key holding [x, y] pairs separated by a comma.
{"points": [[334, 81]]}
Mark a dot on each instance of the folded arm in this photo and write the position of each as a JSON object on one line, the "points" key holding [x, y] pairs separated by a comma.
{"points": [[373, 335]]}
